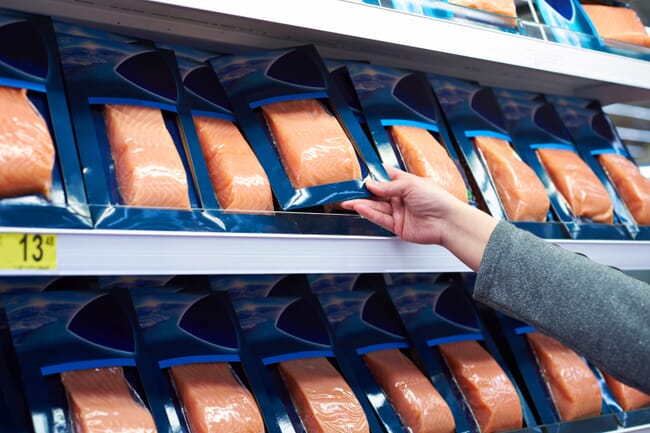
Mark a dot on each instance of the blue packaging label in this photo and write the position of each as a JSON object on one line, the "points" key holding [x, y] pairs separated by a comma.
{"points": [[568, 21]]}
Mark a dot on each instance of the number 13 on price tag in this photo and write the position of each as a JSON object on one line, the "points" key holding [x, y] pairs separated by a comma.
{"points": [[27, 251]]}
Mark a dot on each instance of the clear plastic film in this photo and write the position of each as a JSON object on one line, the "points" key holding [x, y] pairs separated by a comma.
{"points": [[237, 176], [487, 389], [578, 184], [323, 399], [627, 397], [313, 147], [631, 185], [417, 403], [214, 400], [101, 400], [522, 194], [26, 147], [424, 156], [621, 24], [148, 168], [573, 386]]}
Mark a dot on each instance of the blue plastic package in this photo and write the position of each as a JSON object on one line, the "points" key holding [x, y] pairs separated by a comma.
{"points": [[16, 416], [594, 134], [53, 196], [297, 77], [187, 329], [205, 99], [106, 77], [568, 23], [472, 111], [392, 98], [534, 124], [63, 331], [524, 357], [436, 310], [287, 325]]}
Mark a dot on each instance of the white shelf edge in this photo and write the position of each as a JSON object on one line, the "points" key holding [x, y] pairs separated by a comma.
{"points": [[109, 252], [344, 29]]}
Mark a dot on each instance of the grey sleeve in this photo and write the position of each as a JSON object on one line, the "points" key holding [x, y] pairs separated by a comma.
{"points": [[599, 312]]}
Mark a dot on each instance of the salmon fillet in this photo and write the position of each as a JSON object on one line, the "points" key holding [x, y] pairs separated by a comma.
{"points": [[26, 147], [521, 192], [489, 392], [425, 157], [323, 399], [573, 386], [237, 176], [101, 401], [214, 400], [618, 23], [632, 186], [149, 170], [416, 401], [578, 184], [503, 7], [312, 145], [629, 398]]}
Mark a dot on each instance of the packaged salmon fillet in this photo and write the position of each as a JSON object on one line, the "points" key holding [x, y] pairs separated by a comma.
{"points": [[417, 402], [578, 184], [101, 399], [521, 192], [571, 383], [144, 167], [324, 401], [99, 382], [149, 169], [40, 176], [631, 184], [215, 400], [503, 7], [489, 392], [628, 397], [299, 125], [618, 23]]}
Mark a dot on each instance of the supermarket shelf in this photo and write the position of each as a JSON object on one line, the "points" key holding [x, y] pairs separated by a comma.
{"points": [[344, 29], [109, 252]]}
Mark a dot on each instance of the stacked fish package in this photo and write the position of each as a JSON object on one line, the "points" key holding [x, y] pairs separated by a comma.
{"points": [[70, 344], [370, 344], [567, 23], [40, 177], [192, 343], [141, 158], [406, 125], [286, 335], [299, 125], [241, 185], [509, 189], [567, 391], [459, 355], [598, 143], [580, 201]]}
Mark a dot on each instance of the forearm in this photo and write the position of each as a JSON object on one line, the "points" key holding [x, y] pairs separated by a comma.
{"points": [[600, 312], [466, 233]]}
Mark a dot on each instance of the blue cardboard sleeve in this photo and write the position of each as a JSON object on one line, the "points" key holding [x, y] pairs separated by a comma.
{"points": [[473, 111], [33, 64], [99, 72], [60, 331], [533, 123], [593, 134], [255, 79]]}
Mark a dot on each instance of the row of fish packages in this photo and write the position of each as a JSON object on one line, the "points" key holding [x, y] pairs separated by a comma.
{"points": [[41, 181], [207, 112], [538, 164]]}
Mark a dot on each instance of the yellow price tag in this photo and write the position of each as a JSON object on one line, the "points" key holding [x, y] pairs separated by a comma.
{"points": [[27, 251]]}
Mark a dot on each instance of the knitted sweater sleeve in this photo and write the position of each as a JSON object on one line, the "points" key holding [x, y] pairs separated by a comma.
{"points": [[600, 312]]}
